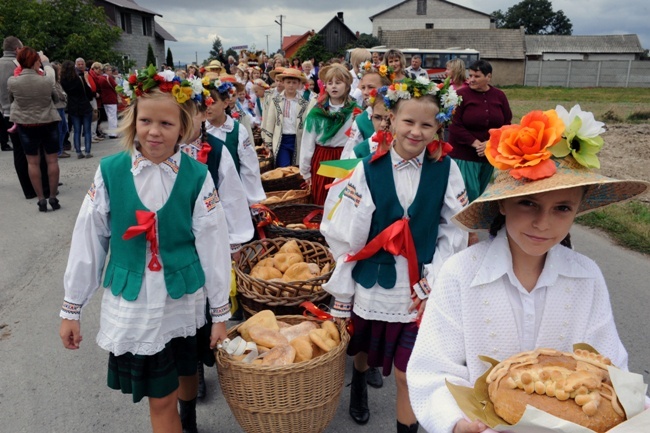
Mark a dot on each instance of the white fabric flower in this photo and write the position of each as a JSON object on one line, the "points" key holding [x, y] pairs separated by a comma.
{"points": [[590, 127], [422, 80]]}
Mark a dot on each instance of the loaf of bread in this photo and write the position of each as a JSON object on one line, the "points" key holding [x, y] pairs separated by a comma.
{"points": [[265, 273], [298, 330], [265, 318], [322, 339], [280, 355], [290, 247], [304, 348], [301, 272], [266, 337], [572, 386], [282, 261]]}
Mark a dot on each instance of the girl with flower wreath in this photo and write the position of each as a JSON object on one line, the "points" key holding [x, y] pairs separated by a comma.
{"points": [[390, 234], [223, 129], [370, 78], [158, 212], [524, 288], [325, 128]]}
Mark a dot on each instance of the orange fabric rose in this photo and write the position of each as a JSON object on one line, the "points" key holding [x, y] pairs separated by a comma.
{"points": [[523, 149]]}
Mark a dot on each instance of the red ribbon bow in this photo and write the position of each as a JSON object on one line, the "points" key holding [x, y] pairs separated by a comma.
{"points": [[146, 224], [446, 148], [202, 156], [381, 138]]}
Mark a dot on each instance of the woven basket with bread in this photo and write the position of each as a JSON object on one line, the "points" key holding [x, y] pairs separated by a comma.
{"points": [[279, 274], [282, 179], [293, 386], [573, 386], [294, 196]]}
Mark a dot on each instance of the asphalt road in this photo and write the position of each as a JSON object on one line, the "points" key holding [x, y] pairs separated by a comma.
{"points": [[47, 389]]}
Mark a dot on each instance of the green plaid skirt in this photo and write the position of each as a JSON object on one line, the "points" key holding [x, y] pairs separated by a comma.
{"points": [[153, 375]]}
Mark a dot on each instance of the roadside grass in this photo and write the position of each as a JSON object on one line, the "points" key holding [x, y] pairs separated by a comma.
{"points": [[628, 224], [609, 104]]}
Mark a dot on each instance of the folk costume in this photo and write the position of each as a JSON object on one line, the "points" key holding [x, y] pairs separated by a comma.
{"points": [[361, 129], [284, 121], [236, 139], [169, 253], [323, 140]]}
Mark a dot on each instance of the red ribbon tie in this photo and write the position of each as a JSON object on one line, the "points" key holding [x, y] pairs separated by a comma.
{"points": [[146, 224]]}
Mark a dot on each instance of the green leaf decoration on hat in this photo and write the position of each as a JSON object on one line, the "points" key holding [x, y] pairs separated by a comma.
{"points": [[581, 137]]}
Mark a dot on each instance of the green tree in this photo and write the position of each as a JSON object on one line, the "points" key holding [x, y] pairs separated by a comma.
{"points": [[365, 40], [151, 58], [536, 16], [217, 47], [63, 29], [314, 47], [233, 53], [170, 59]]}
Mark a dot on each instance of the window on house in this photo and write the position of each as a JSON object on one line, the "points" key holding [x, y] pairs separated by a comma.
{"points": [[125, 22], [422, 7], [146, 26], [428, 26]]}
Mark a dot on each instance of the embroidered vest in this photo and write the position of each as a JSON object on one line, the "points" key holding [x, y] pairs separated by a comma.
{"points": [[231, 143], [214, 157], [365, 125], [424, 214], [181, 266], [362, 149]]}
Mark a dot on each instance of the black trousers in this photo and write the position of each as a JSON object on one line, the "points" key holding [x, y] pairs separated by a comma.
{"points": [[20, 164]]}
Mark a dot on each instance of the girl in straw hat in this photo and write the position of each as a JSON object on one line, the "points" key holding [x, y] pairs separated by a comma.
{"points": [[325, 127], [391, 232], [524, 288]]}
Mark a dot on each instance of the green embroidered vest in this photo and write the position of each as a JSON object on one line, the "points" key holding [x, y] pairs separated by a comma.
{"points": [[232, 144], [214, 157], [362, 149], [365, 125], [181, 266], [424, 214]]}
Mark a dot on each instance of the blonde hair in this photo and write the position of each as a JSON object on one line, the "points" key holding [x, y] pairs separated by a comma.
{"points": [[358, 56], [393, 53], [96, 65], [127, 127], [336, 71], [457, 68]]}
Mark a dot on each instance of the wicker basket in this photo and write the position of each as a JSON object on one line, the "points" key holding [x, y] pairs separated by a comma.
{"points": [[283, 298], [301, 196], [296, 398], [283, 184], [295, 214], [266, 163]]}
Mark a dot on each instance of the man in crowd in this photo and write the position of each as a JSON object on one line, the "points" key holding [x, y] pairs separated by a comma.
{"points": [[415, 70]]}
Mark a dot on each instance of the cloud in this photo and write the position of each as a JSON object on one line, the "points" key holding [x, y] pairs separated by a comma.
{"points": [[253, 24]]}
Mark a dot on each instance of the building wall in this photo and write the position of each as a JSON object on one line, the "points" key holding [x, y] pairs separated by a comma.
{"points": [[442, 15], [607, 73], [507, 72], [135, 44], [336, 36]]}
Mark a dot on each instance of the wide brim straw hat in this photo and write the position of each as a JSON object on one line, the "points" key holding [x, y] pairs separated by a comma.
{"points": [[345, 72], [601, 191], [292, 73], [275, 72], [214, 65]]}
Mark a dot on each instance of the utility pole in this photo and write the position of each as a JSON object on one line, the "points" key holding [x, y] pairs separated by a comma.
{"points": [[196, 57], [280, 23], [267, 45]]}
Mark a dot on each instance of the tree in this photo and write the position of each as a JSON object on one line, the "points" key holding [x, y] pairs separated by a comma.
{"points": [[314, 47], [151, 58], [233, 53], [217, 47], [536, 16], [170, 59], [63, 29], [365, 40]]}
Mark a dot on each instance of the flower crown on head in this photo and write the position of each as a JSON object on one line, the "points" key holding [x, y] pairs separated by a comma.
{"points": [[416, 88], [383, 70], [220, 87], [149, 78], [525, 150]]}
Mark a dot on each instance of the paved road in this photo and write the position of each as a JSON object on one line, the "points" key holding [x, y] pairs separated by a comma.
{"points": [[47, 389]]}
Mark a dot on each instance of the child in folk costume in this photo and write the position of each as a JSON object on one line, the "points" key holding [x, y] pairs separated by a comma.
{"points": [[381, 139], [237, 109], [524, 288], [362, 128], [285, 118], [325, 126], [260, 91], [390, 234], [223, 129], [159, 213]]}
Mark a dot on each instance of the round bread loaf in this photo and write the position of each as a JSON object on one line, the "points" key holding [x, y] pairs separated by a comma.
{"points": [[572, 386]]}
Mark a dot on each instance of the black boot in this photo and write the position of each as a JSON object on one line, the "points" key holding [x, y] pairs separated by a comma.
{"points": [[359, 397], [188, 415], [202, 388], [413, 428], [374, 378]]}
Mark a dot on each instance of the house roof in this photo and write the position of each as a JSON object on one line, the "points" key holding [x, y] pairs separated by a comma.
{"points": [[164, 34], [491, 43], [619, 44], [443, 1], [335, 19], [288, 41], [131, 5]]}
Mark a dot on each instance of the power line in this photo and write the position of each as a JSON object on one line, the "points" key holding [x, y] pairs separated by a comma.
{"points": [[213, 26]]}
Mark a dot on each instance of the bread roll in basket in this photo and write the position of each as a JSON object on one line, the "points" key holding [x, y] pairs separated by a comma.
{"points": [[572, 386]]}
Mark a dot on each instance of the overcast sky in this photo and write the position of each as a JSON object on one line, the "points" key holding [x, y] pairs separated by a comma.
{"points": [[195, 23]]}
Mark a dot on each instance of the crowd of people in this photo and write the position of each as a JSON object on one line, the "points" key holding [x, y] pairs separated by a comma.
{"points": [[434, 163]]}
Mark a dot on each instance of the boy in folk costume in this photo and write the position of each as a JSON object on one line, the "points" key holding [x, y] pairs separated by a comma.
{"points": [[390, 234], [325, 127], [285, 118], [261, 91]]}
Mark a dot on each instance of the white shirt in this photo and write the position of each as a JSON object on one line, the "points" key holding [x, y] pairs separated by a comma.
{"points": [[290, 110], [470, 313], [145, 325], [249, 166], [347, 233], [354, 136], [232, 195]]}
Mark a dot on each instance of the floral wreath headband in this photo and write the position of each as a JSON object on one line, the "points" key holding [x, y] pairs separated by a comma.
{"points": [[216, 84], [149, 78], [367, 67], [526, 150], [416, 88]]}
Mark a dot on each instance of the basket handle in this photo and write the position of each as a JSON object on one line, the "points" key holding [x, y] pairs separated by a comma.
{"points": [[310, 216]]}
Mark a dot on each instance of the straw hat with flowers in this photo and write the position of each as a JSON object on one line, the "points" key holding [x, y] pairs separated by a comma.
{"points": [[291, 73], [547, 151], [276, 71]]}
